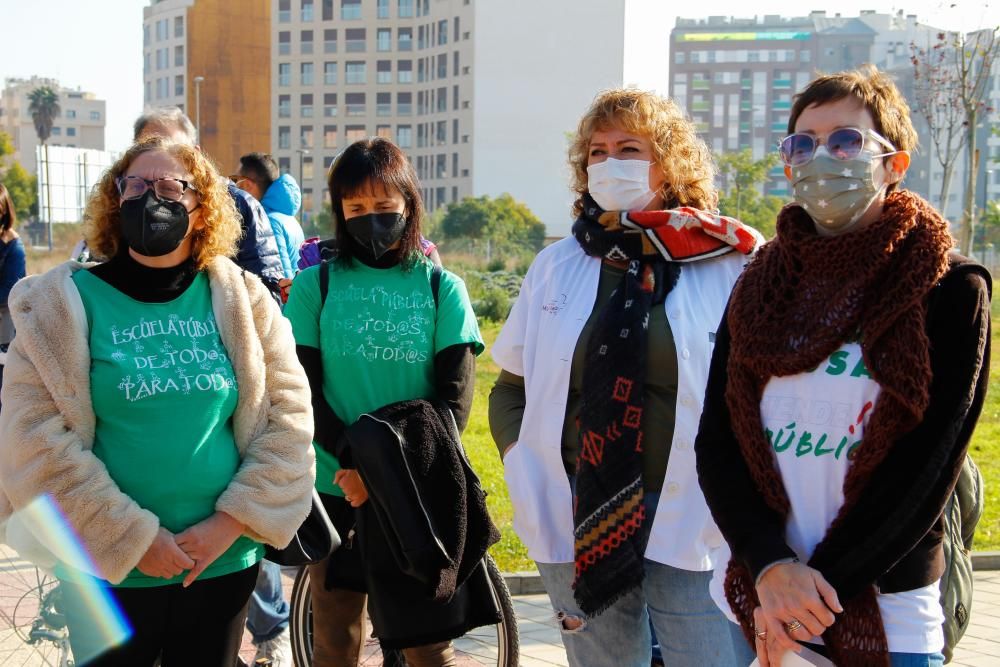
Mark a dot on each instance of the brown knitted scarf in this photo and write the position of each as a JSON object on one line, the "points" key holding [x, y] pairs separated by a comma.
{"points": [[800, 299]]}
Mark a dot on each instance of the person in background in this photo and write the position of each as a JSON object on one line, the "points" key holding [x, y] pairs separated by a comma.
{"points": [[848, 375], [12, 269], [604, 361], [267, 618], [258, 249], [171, 512], [281, 198]]}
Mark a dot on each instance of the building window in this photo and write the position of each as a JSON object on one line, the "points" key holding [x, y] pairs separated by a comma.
{"points": [[442, 99], [284, 43], [442, 65], [95, 115], [384, 131], [161, 61], [284, 74], [355, 40], [145, 35], [306, 136], [355, 133], [179, 85], [421, 71], [406, 9], [404, 71], [383, 9], [284, 165], [329, 105], [161, 30], [329, 136], [454, 165], [404, 104], [284, 137], [306, 42], [284, 106], [146, 59], [404, 136], [454, 133], [454, 98], [442, 133], [355, 71], [805, 55], [178, 26], [350, 10], [147, 92], [355, 104], [442, 32], [405, 39], [383, 71], [307, 175], [330, 73], [383, 39], [306, 71], [383, 104], [421, 38], [455, 64], [56, 132], [307, 10], [329, 41], [327, 10], [306, 105], [71, 113], [284, 11]]}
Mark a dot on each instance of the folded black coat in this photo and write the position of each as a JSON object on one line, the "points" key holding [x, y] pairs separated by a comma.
{"points": [[425, 527]]}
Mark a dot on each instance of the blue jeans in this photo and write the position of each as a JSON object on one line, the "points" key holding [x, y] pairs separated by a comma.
{"points": [[691, 629], [268, 614], [916, 659]]}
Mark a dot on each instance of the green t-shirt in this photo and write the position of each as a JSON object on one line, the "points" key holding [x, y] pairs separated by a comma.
{"points": [[377, 336], [164, 393]]}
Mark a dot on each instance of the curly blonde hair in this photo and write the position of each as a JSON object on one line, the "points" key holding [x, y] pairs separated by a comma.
{"points": [[684, 158], [102, 219]]}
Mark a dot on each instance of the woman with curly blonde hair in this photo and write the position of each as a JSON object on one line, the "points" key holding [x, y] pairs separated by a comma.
{"points": [[604, 362], [156, 399]]}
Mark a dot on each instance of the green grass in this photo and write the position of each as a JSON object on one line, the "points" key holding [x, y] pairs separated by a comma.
{"points": [[512, 556]]}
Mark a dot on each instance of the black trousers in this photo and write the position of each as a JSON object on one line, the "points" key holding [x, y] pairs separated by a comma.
{"points": [[201, 625]]}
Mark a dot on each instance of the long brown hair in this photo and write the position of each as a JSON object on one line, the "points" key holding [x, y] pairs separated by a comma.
{"points": [[8, 216]]}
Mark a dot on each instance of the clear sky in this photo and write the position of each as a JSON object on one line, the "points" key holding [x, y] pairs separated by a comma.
{"points": [[97, 45]]}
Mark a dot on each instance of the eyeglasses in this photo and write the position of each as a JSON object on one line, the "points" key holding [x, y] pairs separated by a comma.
{"points": [[169, 189], [843, 144]]}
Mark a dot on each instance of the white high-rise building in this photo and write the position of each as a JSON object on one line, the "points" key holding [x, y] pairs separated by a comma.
{"points": [[482, 94], [80, 122]]}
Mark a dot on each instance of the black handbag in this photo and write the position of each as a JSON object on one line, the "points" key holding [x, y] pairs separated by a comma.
{"points": [[315, 539]]}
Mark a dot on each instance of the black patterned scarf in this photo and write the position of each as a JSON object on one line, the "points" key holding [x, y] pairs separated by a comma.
{"points": [[608, 513]]}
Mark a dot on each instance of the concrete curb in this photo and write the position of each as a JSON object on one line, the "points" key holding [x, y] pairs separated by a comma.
{"points": [[530, 583]]}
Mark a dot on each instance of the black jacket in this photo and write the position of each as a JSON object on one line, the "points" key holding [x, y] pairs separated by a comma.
{"points": [[258, 251], [892, 538]]}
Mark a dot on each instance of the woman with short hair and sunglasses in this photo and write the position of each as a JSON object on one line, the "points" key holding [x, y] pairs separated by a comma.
{"points": [[158, 402], [848, 373]]}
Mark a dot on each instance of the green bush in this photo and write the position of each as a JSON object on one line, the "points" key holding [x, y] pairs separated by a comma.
{"points": [[497, 264]]}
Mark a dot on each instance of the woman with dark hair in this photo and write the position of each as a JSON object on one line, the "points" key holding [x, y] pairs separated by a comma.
{"points": [[11, 269], [388, 328]]}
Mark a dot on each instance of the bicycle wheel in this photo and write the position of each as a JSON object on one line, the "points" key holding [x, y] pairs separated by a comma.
{"points": [[32, 629], [489, 645]]}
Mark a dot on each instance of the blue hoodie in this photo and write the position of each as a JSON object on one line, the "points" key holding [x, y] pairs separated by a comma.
{"points": [[281, 202]]}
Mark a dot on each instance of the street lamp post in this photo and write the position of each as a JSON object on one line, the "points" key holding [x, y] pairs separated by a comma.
{"points": [[982, 211], [197, 105], [302, 153]]}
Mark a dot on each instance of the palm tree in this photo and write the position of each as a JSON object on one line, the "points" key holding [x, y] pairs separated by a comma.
{"points": [[44, 107]]}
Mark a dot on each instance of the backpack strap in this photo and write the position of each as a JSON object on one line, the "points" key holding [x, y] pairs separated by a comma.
{"points": [[436, 282], [324, 282]]}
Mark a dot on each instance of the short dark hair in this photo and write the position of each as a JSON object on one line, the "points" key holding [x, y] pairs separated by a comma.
{"points": [[260, 168], [875, 90], [362, 165], [8, 216]]}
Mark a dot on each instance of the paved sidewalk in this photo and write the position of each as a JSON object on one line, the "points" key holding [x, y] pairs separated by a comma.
{"points": [[541, 646]]}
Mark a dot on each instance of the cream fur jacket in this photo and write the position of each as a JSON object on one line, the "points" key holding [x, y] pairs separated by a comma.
{"points": [[47, 423]]}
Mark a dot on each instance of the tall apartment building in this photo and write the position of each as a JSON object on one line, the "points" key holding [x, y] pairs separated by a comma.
{"points": [[737, 77], [80, 122], [212, 59], [480, 93]]}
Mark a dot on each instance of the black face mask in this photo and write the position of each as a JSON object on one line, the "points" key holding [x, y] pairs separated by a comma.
{"points": [[375, 233], [153, 227]]}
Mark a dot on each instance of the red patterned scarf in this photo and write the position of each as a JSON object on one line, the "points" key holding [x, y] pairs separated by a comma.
{"points": [[608, 515]]}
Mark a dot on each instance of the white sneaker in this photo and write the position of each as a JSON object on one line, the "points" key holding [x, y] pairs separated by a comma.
{"points": [[278, 650]]}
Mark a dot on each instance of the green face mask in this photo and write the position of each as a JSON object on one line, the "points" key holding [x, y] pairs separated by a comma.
{"points": [[835, 193]]}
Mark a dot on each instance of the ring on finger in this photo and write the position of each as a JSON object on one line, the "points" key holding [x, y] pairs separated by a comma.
{"points": [[761, 634], [793, 625]]}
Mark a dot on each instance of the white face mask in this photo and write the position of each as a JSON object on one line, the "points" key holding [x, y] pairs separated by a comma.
{"points": [[620, 185]]}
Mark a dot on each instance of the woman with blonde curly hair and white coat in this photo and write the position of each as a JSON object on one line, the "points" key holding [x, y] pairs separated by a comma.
{"points": [[156, 399]]}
